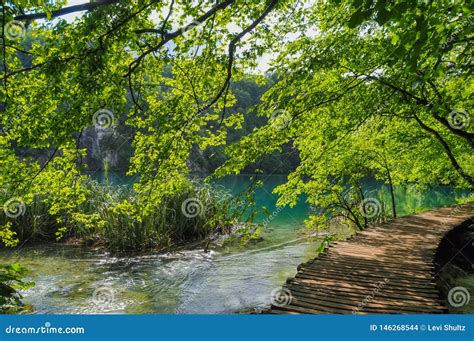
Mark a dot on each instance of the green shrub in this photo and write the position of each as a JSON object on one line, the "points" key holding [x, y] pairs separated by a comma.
{"points": [[11, 283]]}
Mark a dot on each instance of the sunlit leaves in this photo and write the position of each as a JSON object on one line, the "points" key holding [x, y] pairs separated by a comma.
{"points": [[351, 76], [353, 91]]}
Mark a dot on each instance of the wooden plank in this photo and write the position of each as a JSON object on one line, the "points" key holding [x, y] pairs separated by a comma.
{"points": [[376, 262], [369, 281], [399, 272], [430, 301], [369, 308], [351, 274], [364, 285], [400, 276], [372, 302]]}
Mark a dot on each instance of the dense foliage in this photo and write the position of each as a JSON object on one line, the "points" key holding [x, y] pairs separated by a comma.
{"points": [[359, 88], [11, 283], [57, 82], [382, 89]]}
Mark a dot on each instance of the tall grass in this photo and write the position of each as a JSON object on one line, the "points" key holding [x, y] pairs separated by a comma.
{"points": [[166, 225]]}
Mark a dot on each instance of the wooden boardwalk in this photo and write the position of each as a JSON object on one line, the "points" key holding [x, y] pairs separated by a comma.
{"points": [[385, 269]]}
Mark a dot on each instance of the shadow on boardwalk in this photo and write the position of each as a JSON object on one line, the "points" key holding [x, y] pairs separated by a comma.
{"points": [[387, 268]]}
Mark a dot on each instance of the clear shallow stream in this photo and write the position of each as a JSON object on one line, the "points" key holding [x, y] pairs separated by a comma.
{"points": [[72, 279]]}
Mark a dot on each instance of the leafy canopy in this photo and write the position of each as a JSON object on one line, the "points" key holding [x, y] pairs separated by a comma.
{"points": [[364, 87]]}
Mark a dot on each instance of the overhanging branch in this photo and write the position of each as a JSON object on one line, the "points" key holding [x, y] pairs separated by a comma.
{"points": [[167, 37], [469, 179], [67, 10]]}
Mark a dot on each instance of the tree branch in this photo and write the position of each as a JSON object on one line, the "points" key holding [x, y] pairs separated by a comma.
{"points": [[464, 134], [67, 10], [469, 137], [167, 37], [233, 46], [447, 149]]}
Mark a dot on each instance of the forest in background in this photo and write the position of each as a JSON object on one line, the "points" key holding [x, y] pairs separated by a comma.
{"points": [[115, 147]]}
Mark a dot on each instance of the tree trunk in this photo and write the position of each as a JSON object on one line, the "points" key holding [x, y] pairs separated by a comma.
{"points": [[392, 195]]}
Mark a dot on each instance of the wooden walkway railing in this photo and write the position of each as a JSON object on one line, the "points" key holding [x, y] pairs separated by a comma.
{"points": [[385, 269]]}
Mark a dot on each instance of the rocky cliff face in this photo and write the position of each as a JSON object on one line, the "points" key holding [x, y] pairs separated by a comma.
{"points": [[111, 145]]}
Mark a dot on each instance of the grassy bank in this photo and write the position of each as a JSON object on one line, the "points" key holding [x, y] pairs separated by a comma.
{"points": [[195, 212]]}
